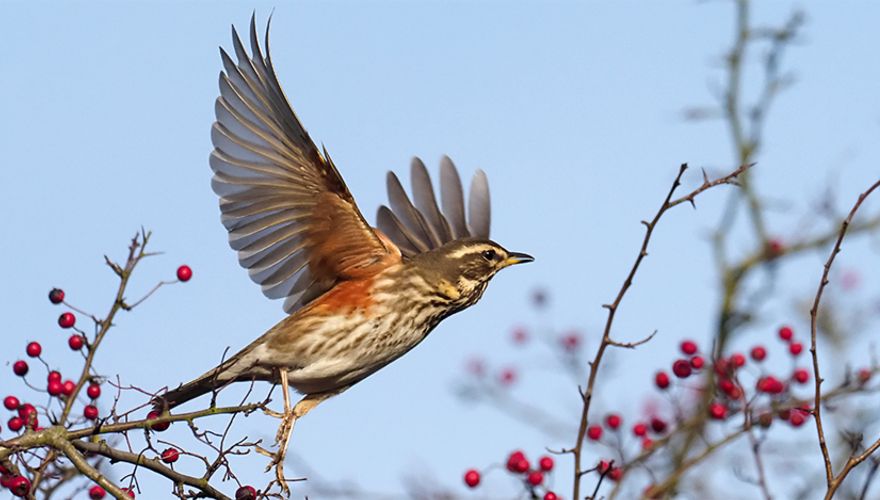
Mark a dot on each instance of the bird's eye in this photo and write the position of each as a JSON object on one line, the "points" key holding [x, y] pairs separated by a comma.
{"points": [[490, 255]]}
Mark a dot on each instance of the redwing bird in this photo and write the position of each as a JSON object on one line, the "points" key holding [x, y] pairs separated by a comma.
{"points": [[357, 297]]}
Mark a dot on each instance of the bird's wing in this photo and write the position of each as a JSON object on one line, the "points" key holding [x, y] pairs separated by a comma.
{"points": [[290, 217], [420, 225]]}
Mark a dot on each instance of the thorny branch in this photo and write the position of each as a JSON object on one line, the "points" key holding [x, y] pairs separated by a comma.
{"points": [[833, 482], [67, 437], [612, 308]]}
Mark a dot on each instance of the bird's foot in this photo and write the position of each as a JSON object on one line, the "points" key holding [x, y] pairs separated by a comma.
{"points": [[277, 461], [285, 430], [273, 413]]}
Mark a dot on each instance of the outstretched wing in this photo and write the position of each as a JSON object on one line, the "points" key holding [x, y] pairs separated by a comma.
{"points": [[290, 217], [422, 226]]}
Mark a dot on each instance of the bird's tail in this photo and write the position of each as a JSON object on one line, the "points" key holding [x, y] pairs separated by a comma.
{"points": [[184, 393], [210, 381]]}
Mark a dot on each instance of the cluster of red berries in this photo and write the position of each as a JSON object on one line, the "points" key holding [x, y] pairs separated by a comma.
{"points": [[613, 422], [518, 465], [19, 486], [570, 341], [730, 391], [27, 414]]}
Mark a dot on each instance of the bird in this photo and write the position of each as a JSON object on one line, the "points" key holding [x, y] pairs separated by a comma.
{"points": [[357, 297]]}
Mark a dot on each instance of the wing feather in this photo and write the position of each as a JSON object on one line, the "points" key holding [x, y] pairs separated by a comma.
{"points": [[290, 217], [421, 226]]}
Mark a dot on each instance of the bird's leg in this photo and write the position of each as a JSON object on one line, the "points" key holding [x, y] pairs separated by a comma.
{"points": [[286, 429], [288, 418]]}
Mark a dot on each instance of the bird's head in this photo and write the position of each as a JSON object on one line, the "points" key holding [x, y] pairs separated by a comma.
{"points": [[464, 267]]}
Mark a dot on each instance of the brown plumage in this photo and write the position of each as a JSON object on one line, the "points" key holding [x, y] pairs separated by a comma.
{"points": [[358, 297]]}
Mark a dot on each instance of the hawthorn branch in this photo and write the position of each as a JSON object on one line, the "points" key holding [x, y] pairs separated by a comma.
{"points": [[138, 459], [136, 252], [832, 481], [607, 341]]}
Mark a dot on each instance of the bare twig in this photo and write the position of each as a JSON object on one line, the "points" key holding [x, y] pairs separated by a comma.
{"points": [[833, 482], [607, 341]]}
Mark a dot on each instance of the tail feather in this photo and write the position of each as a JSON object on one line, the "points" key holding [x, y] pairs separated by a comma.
{"points": [[210, 381], [185, 392]]}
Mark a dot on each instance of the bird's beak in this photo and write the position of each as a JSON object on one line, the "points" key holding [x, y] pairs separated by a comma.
{"points": [[517, 258]]}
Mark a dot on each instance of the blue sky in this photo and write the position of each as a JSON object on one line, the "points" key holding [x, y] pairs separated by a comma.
{"points": [[572, 109]]}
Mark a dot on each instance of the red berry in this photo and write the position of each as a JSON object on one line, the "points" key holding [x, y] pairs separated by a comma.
{"points": [[184, 273], [795, 348], [640, 429], [15, 424], [603, 467], [722, 367], [26, 410], [76, 342], [170, 455], [519, 335], [56, 295], [647, 443], [613, 421], [472, 478], [864, 375], [246, 492], [90, 412], [476, 367], [801, 375], [129, 492], [717, 411], [20, 368], [517, 462], [770, 385], [535, 478], [786, 333], [507, 376], [11, 402], [681, 368], [55, 388], [19, 486], [758, 353], [661, 379], [775, 247], [571, 341], [545, 463], [697, 362], [66, 320], [737, 360], [54, 375], [68, 387], [615, 474], [94, 391], [34, 349], [658, 425], [594, 432], [797, 418], [726, 385], [550, 496], [97, 493], [159, 427], [688, 347]]}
